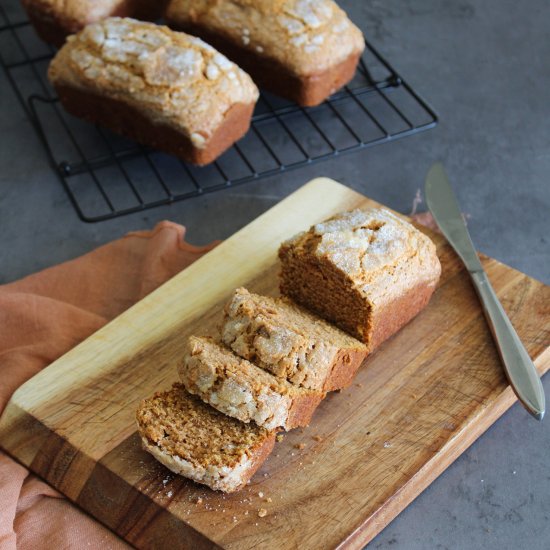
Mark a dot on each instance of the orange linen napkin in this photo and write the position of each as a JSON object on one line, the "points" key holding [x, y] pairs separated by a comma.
{"points": [[42, 317]]}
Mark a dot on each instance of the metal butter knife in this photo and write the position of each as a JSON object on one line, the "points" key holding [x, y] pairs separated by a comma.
{"points": [[519, 368]]}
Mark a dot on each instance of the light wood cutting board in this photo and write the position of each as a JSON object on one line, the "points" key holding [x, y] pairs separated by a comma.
{"points": [[415, 406]]}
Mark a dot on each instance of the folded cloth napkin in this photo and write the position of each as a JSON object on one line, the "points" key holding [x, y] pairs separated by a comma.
{"points": [[42, 317]]}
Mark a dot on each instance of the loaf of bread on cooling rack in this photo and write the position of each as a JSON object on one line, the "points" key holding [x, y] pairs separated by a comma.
{"points": [[303, 50], [163, 88]]}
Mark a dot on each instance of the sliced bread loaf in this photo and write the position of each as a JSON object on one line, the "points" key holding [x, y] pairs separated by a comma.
{"points": [[368, 271]]}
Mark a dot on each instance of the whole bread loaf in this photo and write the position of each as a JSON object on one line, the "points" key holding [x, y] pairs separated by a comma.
{"points": [[194, 440], [55, 19], [303, 50], [166, 89], [367, 271]]}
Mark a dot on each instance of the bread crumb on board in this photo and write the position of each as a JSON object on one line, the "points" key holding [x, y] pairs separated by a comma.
{"points": [[262, 512], [280, 437], [300, 446]]}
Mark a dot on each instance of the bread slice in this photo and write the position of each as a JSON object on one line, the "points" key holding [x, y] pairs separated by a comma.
{"points": [[291, 343], [303, 50], [192, 439], [367, 271], [165, 89], [242, 390]]}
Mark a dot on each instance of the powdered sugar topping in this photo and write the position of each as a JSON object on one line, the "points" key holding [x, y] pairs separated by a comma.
{"points": [[361, 241], [169, 66], [312, 12]]}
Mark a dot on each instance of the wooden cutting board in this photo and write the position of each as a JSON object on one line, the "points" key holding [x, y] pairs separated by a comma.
{"points": [[415, 406]]}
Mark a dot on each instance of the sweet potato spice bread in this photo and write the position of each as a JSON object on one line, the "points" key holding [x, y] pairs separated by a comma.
{"points": [[242, 390], [192, 439], [303, 50], [291, 343], [55, 19], [367, 271], [165, 89]]}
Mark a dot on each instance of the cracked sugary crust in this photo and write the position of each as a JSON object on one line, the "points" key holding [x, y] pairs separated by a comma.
{"points": [[241, 390], [303, 50], [291, 343], [189, 438], [165, 89], [54, 20], [367, 271]]}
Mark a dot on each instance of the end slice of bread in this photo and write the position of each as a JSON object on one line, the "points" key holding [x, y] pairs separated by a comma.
{"points": [[194, 440]]}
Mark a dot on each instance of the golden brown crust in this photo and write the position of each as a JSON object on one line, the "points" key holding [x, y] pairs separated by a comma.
{"points": [[344, 369], [315, 88], [302, 410], [301, 50], [54, 20], [388, 320]]}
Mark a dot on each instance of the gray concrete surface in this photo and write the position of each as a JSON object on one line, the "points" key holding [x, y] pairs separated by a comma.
{"points": [[485, 67]]}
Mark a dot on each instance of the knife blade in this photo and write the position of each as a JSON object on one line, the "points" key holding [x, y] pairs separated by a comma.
{"points": [[520, 370]]}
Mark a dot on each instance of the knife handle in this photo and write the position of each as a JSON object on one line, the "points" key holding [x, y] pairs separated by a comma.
{"points": [[520, 370]]}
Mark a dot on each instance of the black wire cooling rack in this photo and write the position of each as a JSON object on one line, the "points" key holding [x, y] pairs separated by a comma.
{"points": [[107, 176]]}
